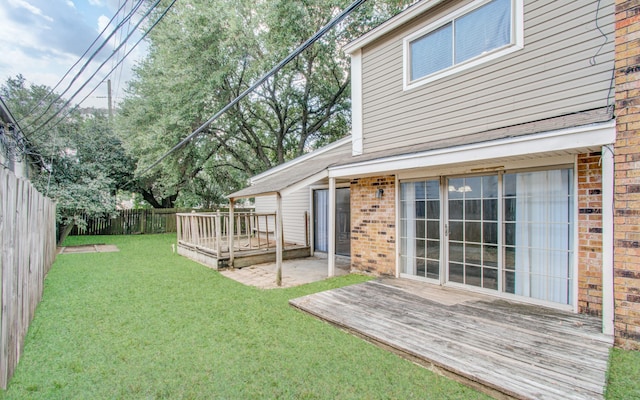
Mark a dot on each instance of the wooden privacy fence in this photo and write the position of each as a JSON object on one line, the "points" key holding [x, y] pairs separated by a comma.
{"points": [[28, 245], [128, 222], [210, 231]]}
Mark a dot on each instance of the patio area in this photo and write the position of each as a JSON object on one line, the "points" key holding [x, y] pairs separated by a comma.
{"points": [[506, 349], [295, 272]]}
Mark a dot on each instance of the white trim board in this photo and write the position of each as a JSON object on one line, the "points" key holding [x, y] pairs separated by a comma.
{"points": [[571, 139], [356, 103]]}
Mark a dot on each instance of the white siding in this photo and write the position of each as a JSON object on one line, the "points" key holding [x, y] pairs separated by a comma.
{"points": [[294, 207], [551, 76]]}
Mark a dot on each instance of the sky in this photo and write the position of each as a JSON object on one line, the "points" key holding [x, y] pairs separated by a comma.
{"points": [[42, 39]]}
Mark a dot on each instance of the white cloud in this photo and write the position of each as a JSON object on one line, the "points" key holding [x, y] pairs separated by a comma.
{"points": [[103, 21], [43, 49], [31, 8], [96, 3]]}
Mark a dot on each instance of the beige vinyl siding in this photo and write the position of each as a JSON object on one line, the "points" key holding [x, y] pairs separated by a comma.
{"points": [[551, 76], [294, 207]]}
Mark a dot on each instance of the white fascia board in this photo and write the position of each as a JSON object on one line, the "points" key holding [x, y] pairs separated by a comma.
{"points": [[595, 135], [253, 195], [300, 159], [356, 103], [391, 24], [305, 182]]}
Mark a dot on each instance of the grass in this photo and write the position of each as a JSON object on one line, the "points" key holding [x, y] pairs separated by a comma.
{"points": [[148, 324], [623, 375]]}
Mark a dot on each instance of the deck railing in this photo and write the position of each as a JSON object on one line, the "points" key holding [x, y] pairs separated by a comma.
{"points": [[210, 231]]}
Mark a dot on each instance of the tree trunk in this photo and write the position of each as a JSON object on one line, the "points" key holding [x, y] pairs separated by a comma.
{"points": [[65, 230]]}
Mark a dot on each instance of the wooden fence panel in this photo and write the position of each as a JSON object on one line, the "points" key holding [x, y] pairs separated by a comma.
{"points": [[27, 246], [131, 222]]}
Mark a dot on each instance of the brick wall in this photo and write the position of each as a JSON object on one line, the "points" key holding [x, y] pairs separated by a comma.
{"points": [[373, 225], [627, 175], [590, 234]]}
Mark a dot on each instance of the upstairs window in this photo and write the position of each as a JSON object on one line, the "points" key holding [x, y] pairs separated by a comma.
{"points": [[476, 33]]}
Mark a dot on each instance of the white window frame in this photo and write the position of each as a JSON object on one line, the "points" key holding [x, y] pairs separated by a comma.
{"points": [[517, 43]]}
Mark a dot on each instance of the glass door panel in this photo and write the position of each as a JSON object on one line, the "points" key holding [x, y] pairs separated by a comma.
{"points": [[473, 231], [537, 247], [321, 220], [343, 222], [420, 228]]}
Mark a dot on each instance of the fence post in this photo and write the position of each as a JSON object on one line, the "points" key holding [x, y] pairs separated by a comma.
{"points": [[251, 231], [178, 228], [218, 224], [230, 234]]}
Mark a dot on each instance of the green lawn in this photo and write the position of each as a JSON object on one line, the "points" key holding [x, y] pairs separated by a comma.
{"points": [[148, 324]]}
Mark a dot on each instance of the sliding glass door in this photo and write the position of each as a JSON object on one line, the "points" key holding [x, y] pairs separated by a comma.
{"points": [[321, 221], [510, 233]]}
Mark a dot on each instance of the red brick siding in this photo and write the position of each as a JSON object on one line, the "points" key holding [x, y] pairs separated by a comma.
{"points": [[590, 234], [627, 176], [373, 225]]}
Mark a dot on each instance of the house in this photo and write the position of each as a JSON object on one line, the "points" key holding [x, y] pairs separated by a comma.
{"points": [[12, 142], [494, 148]]}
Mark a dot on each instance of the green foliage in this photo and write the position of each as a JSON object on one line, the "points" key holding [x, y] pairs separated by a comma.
{"points": [[82, 162], [208, 52], [145, 324]]}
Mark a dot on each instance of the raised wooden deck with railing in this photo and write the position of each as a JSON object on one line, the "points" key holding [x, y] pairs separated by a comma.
{"points": [[241, 238]]}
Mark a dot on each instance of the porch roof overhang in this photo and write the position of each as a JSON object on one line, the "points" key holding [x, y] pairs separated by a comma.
{"points": [[298, 173], [498, 144], [568, 134]]}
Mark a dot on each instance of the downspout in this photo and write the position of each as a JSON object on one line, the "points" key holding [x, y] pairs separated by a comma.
{"points": [[607, 161]]}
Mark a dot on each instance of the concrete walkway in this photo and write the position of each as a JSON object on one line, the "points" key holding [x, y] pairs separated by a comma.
{"points": [[88, 248], [294, 272]]}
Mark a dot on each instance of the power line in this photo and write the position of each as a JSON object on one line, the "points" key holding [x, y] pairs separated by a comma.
{"points": [[75, 64], [118, 79], [258, 83], [93, 55], [99, 67], [144, 35]]}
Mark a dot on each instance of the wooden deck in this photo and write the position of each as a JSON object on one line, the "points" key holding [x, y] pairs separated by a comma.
{"points": [[244, 255], [506, 349]]}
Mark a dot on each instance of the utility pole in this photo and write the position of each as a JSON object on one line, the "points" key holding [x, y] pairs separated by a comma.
{"points": [[109, 98]]}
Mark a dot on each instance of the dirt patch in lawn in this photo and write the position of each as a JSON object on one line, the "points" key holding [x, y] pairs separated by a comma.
{"points": [[88, 248]]}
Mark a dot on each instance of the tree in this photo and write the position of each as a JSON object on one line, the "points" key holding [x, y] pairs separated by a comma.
{"points": [[84, 162], [204, 55]]}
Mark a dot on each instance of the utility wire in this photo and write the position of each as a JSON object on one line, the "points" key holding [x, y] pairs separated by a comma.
{"points": [[97, 70], [144, 35], [258, 83], [75, 64], [93, 55], [118, 75]]}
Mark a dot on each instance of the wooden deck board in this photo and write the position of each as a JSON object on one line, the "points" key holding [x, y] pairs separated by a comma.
{"points": [[520, 350]]}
